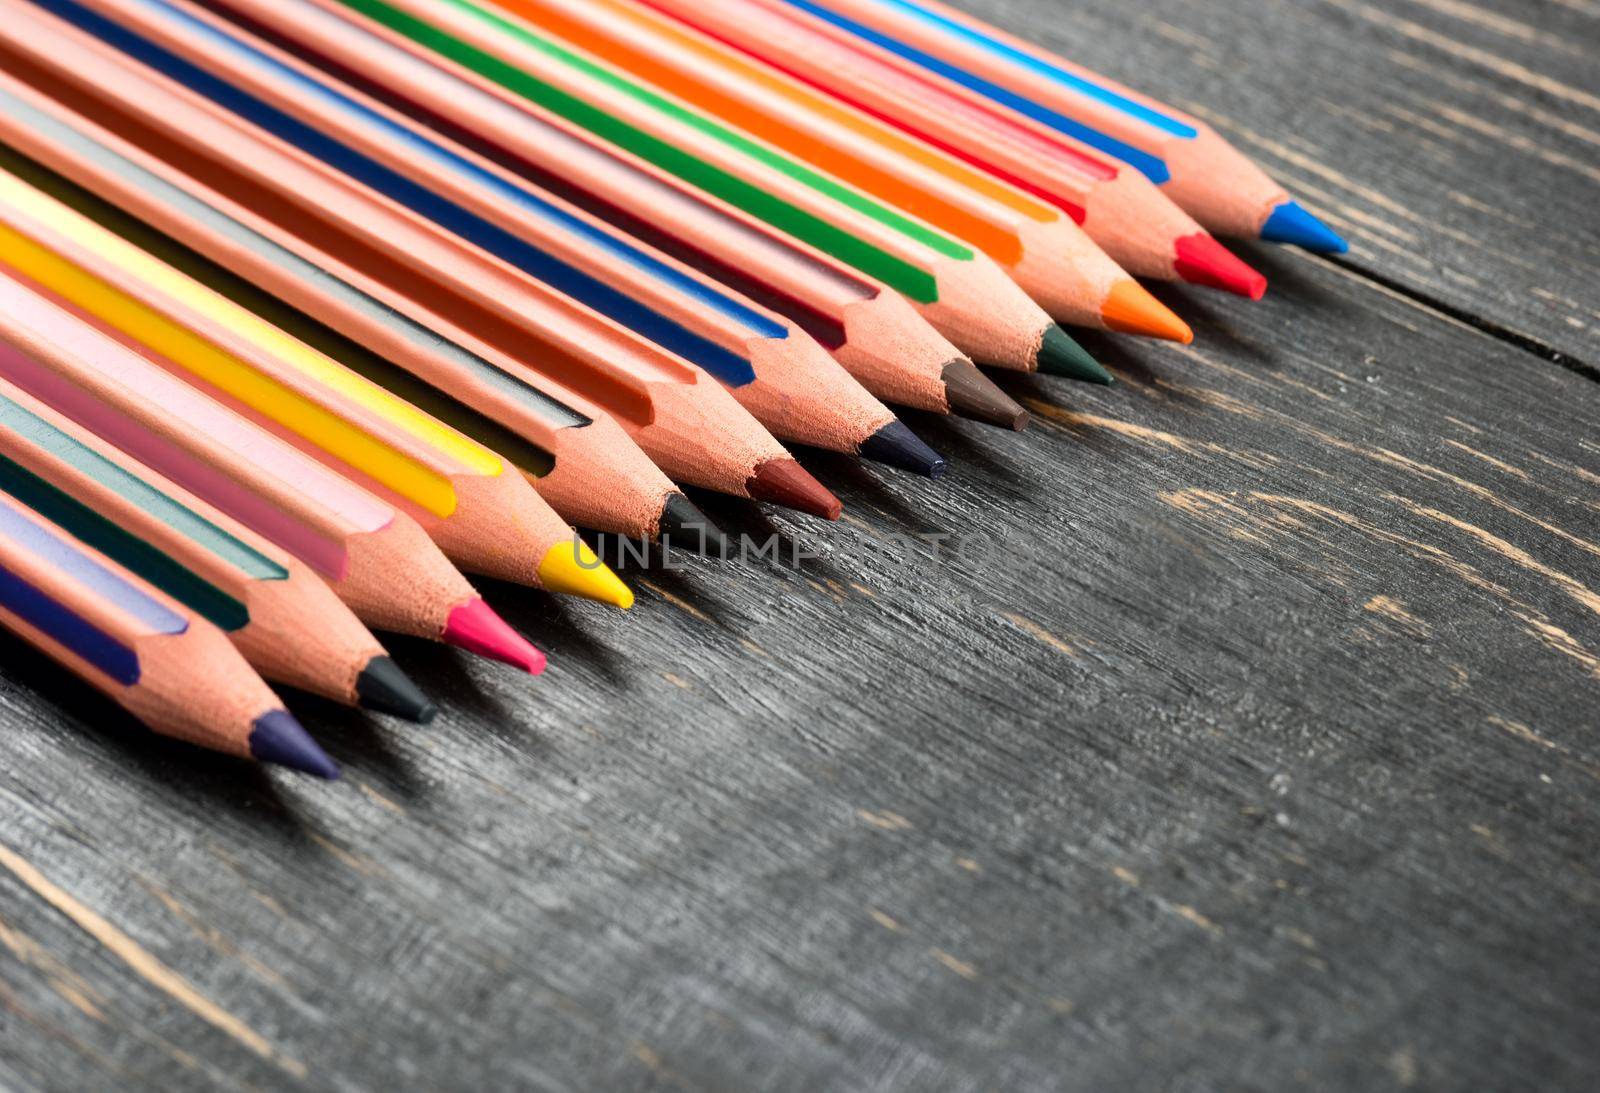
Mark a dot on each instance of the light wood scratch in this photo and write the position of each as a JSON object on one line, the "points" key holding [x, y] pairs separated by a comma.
{"points": [[681, 604], [888, 821], [380, 800], [1498, 464], [1395, 610], [1522, 732], [1039, 633], [883, 920], [1189, 914], [344, 857], [960, 967], [144, 964]]}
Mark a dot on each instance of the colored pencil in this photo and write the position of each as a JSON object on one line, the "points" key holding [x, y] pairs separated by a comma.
{"points": [[285, 621], [172, 670], [774, 369], [1210, 178], [376, 558], [483, 514], [1118, 207], [1042, 249], [869, 329], [582, 461], [962, 292], [687, 423]]}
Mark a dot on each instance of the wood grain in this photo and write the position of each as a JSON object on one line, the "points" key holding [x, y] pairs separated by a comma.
{"points": [[1248, 744]]}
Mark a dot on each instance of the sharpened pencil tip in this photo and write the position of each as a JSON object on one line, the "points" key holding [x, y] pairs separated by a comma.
{"points": [[1059, 355], [475, 627], [1129, 309], [1201, 260], [383, 688], [683, 525], [898, 446], [277, 737], [785, 482], [972, 394], [1290, 223], [570, 568]]}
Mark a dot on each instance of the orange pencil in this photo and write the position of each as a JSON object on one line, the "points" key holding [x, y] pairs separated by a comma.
{"points": [[1121, 210], [167, 667], [376, 558]]}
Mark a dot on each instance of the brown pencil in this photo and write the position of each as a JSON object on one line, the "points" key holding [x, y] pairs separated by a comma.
{"points": [[288, 624], [870, 329], [376, 558], [580, 459], [685, 421], [168, 667]]}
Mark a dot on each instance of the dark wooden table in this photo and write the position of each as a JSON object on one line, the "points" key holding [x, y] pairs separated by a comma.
{"points": [[1248, 743]]}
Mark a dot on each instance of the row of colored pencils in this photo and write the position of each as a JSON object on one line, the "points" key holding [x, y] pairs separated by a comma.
{"points": [[309, 307]]}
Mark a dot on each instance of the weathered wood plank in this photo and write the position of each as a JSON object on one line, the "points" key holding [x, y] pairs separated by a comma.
{"points": [[1249, 746], [1456, 143], [1255, 751]]}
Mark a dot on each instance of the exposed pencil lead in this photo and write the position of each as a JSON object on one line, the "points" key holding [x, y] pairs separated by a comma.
{"points": [[571, 568], [475, 627], [277, 737], [683, 525], [1201, 260], [1130, 309], [1059, 355], [1290, 223], [974, 395], [898, 446], [785, 482], [384, 688]]}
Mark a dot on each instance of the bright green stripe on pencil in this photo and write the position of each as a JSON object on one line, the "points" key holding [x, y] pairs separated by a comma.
{"points": [[138, 555], [843, 245]]}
